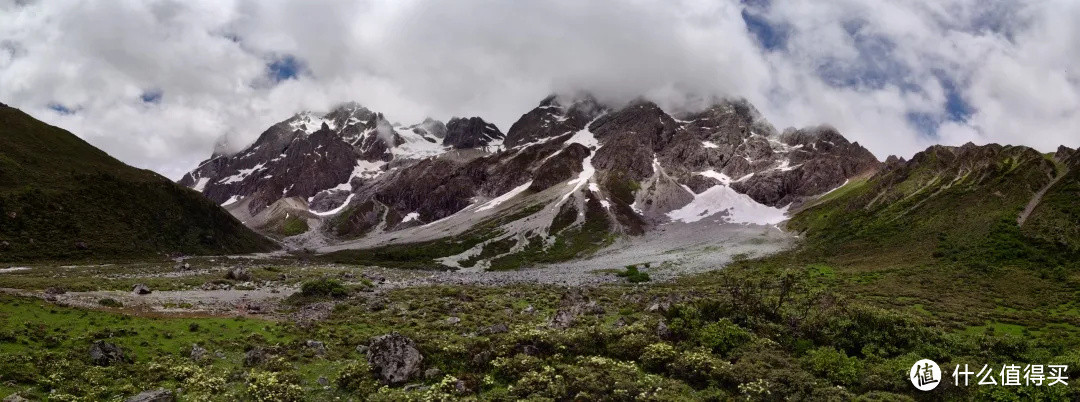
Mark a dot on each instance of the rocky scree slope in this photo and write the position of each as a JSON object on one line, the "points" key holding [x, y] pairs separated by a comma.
{"points": [[63, 199], [565, 178]]}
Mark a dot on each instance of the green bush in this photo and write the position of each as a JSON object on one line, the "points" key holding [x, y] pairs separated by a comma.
{"points": [[833, 365], [722, 336], [633, 275], [264, 386], [356, 377], [324, 287]]}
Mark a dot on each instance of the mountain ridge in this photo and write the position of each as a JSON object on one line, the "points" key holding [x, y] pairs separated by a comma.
{"points": [[61, 198], [641, 165]]}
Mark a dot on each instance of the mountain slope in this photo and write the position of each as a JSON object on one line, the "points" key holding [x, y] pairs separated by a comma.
{"points": [[957, 205], [568, 178], [61, 198]]}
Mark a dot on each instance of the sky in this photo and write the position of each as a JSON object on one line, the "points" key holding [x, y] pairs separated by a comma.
{"points": [[157, 83]]}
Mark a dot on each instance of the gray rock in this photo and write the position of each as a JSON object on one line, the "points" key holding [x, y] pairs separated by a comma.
{"points": [[323, 381], [362, 349], [105, 354], [318, 347], [254, 357], [156, 395], [238, 274], [140, 289], [198, 353], [15, 398], [54, 290], [432, 373], [528, 309], [496, 329], [452, 320], [662, 330], [394, 358]]}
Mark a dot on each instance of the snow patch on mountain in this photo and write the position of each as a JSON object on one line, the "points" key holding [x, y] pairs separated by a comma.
{"points": [[505, 197], [738, 208], [243, 174], [201, 184]]}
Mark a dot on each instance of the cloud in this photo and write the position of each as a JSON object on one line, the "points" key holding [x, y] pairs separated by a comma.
{"points": [[158, 83]]}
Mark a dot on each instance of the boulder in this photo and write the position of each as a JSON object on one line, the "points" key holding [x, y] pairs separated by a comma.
{"points": [[318, 347], [198, 353], [15, 398], [140, 289], [496, 329], [155, 395], [394, 358], [105, 354], [254, 357], [238, 274]]}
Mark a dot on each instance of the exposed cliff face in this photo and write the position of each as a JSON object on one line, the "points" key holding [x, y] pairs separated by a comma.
{"points": [[472, 132], [624, 169]]}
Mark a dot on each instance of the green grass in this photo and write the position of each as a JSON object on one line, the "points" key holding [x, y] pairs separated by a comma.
{"points": [[63, 199], [293, 226], [633, 275]]}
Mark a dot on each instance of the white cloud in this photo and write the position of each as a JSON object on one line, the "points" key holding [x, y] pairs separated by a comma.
{"points": [[1012, 62]]}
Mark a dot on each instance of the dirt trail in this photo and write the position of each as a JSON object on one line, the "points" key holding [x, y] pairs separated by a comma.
{"points": [[1037, 198]]}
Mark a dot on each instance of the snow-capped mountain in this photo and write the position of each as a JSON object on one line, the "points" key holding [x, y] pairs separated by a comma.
{"points": [[569, 170]]}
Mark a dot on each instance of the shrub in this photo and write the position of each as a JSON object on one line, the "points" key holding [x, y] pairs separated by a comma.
{"points": [[110, 302], [264, 386], [722, 336], [324, 287], [833, 365], [356, 377], [657, 356], [633, 275]]}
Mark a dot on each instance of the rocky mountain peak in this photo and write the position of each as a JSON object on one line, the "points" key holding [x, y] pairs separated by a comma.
{"points": [[472, 132], [555, 115]]}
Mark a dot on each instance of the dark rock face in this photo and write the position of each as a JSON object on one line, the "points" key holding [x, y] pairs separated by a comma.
{"points": [[430, 128], [156, 395], [643, 162], [472, 132], [394, 358], [1070, 157], [106, 354], [560, 167], [554, 117], [630, 137]]}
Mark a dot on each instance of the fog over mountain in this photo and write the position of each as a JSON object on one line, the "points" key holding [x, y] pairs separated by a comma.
{"points": [[159, 83]]}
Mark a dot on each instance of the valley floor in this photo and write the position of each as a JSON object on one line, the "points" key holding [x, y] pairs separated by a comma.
{"points": [[791, 325]]}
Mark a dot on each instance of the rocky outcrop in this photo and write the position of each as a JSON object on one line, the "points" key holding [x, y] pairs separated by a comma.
{"points": [[472, 132], [556, 115], [394, 358], [106, 354], [1068, 156], [156, 395]]}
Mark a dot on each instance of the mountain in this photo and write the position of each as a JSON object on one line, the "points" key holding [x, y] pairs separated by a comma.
{"points": [[567, 178], [980, 206], [61, 198]]}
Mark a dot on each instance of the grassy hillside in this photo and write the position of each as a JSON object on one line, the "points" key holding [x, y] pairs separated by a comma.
{"points": [[61, 198], [954, 206]]}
